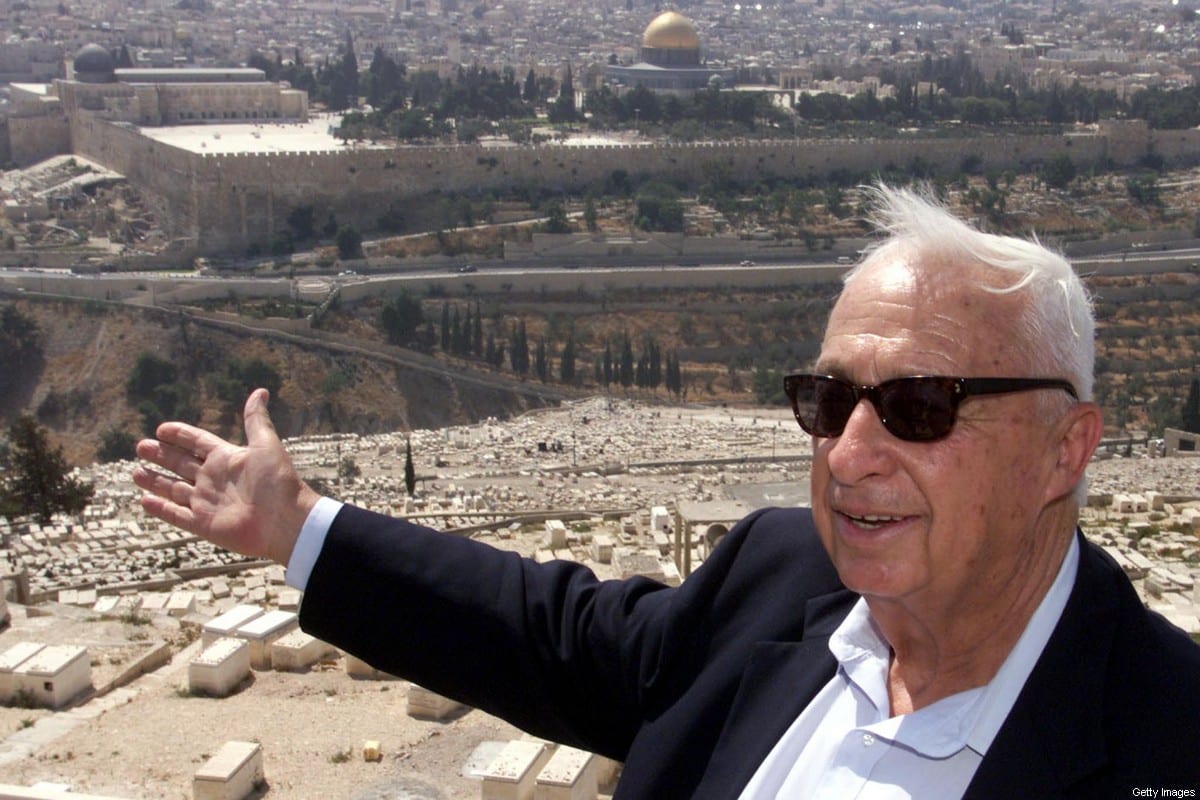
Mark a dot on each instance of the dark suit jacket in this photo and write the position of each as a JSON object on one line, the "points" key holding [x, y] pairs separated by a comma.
{"points": [[692, 686]]}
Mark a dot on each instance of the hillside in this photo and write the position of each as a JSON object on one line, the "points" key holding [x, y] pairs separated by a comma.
{"points": [[89, 351], [1147, 345]]}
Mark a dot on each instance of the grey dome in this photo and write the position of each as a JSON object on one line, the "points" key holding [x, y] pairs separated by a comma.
{"points": [[94, 64]]}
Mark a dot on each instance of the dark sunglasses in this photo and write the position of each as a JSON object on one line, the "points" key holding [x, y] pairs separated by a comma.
{"points": [[917, 409]]}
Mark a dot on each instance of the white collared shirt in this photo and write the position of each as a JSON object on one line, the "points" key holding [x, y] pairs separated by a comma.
{"points": [[846, 743]]}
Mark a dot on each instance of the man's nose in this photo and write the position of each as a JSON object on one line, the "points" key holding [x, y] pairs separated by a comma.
{"points": [[864, 447]]}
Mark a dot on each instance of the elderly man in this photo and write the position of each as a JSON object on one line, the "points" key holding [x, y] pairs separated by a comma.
{"points": [[937, 627]]}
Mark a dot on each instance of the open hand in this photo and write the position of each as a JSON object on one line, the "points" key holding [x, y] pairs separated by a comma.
{"points": [[247, 499]]}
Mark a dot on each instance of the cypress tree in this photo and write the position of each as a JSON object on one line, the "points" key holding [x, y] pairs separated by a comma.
{"points": [[1191, 408], [410, 474], [445, 327]]}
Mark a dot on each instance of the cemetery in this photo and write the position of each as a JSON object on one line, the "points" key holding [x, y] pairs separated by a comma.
{"points": [[125, 636]]}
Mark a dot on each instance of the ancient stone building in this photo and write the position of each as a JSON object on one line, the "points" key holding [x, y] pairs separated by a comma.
{"points": [[670, 60], [38, 125]]}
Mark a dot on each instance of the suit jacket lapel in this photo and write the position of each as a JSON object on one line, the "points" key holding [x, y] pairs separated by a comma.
{"points": [[1054, 735], [780, 679]]}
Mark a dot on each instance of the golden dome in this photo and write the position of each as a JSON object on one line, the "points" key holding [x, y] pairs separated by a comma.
{"points": [[671, 30]]}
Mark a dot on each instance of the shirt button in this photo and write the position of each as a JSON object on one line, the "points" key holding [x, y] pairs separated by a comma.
{"points": [[868, 740]]}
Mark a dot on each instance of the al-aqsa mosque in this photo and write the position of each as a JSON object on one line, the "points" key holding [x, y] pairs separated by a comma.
{"points": [[670, 60]]}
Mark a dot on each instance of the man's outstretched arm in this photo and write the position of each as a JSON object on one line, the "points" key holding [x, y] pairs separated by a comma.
{"points": [[244, 498]]}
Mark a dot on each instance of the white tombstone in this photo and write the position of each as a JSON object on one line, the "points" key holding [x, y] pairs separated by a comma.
{"points": [[10, 659], [154, 602], [107, 605], [220, 668], [227, 624], [424, 704], [568, 775], [262, 632], [556, 534], [357, 668], [180, 604], [297, 650], [55, 675], [232, 774], [1190, 517], [602, 548], [670, 572], [289, 599], [1141, 564], [128, 604], [512, 775]]}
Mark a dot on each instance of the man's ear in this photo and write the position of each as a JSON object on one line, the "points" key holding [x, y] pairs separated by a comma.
{"points": [[1078, 434]]}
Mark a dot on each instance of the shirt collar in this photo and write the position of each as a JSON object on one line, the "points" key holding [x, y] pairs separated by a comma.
{"points": [[971, 718]]}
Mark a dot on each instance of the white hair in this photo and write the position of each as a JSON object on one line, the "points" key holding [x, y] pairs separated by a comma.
{"points": [[1056, 323]]}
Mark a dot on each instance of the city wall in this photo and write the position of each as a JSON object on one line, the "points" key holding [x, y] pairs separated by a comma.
{"points": [[35, 138], [222, 203], [165, 175]]}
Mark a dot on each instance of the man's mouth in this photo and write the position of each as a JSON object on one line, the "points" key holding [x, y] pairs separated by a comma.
{"points": [[872, 521]]}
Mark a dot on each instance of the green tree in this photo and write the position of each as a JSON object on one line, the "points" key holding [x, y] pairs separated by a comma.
{"points": [[768, 386], [349, 242], [659, 208], [348, 470], [1058, 171], [561, 110], [36, 480], [625, 370], [1191, 408], [20, 347], [556, 218], [674, 375], [477, 332], [519, 349], [401, 317], [149, 372], [590, 217], [116, 444], [153, 387], [566, 363], [242, 376], [410, 474], [302, 221], [529, 89], [1143, 189], [541, 361]]}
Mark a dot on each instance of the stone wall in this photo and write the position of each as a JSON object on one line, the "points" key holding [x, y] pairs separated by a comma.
{"points": [[246, 198], [165, 175], [226, 203], [34, 139]]}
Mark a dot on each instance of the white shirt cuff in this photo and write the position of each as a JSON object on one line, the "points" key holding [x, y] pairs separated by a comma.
{"points": [[310, 541]]}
